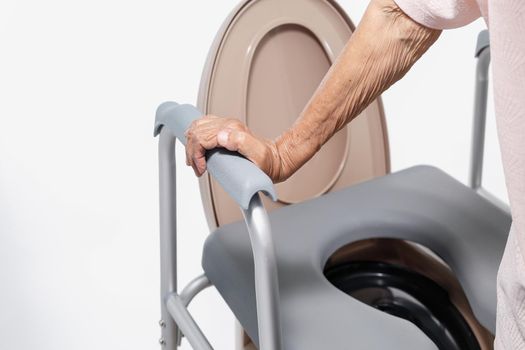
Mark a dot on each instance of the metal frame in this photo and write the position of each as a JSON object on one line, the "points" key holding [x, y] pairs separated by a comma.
{"points": [[266, 278], [479, 121], [176, 319], [168, 236]]}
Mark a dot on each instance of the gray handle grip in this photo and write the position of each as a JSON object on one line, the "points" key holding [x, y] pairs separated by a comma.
{"points": [[239, 177]]}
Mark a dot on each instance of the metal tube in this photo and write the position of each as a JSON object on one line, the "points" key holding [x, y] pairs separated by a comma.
{"points": [[480, 116], [168, 235], [186, 323], [197, 285], [266, 280]]}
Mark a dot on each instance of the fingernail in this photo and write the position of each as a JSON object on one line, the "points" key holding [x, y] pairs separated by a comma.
{"points": [[222, 137]]}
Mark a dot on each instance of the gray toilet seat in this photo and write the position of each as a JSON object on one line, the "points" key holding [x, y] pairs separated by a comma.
{"points": [[421, 204]]}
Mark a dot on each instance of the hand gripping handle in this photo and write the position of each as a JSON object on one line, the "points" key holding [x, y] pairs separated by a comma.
{"points": [[238, 176]]}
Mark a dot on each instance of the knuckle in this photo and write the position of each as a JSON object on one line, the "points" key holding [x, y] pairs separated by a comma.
{"points": [[200, 140], [237, 123], [239, 137]]}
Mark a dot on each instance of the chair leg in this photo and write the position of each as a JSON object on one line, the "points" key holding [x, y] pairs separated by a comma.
{"points": [[168, 236]]}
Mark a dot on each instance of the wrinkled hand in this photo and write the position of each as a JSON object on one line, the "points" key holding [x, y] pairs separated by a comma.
{"points": [[211, 131]]}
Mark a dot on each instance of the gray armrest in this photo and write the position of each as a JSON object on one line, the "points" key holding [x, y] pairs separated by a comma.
{"points": [[483, 42], [239, 177]]}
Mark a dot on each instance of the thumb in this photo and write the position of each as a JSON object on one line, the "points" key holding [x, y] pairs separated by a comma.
{"points": [[244, 143]]}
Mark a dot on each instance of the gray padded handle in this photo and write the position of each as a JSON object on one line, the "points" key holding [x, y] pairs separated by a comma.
{"points": [[239, 177], [483, 42]]}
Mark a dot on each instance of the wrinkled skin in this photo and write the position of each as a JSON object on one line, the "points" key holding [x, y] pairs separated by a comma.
{"points": [[211, 131], [383, 48]]}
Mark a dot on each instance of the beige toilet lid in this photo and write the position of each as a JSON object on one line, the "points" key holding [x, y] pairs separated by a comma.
{"points": [[265, 64]]}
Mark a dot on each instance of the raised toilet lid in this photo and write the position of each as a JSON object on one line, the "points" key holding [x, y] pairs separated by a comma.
{"points": [[266, 62]]}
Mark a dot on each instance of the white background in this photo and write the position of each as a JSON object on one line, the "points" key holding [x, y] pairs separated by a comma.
{"points": [[79, 84]]}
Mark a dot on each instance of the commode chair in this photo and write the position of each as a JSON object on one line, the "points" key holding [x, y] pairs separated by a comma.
{"points": [[343, 255]]}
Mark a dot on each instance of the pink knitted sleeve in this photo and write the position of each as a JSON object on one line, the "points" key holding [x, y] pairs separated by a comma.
{"points": [[441, 14]]}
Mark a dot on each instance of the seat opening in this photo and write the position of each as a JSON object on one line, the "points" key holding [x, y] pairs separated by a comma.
{"points": [[406, 280], [408, 295]]}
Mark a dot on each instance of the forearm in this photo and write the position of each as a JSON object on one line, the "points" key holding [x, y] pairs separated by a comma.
{"points": [[382, 49]]}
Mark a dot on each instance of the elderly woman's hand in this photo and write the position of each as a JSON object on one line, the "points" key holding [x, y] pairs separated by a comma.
{"points": [[382, 49], [211, 131]]}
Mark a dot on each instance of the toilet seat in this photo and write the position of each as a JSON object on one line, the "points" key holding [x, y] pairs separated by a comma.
{"points": [[421, 204], [265, 63]]}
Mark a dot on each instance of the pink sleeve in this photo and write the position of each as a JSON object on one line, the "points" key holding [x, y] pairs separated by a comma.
{"points": [[441, 14]]}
